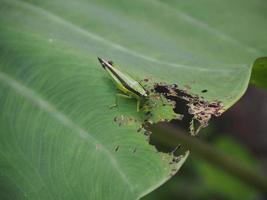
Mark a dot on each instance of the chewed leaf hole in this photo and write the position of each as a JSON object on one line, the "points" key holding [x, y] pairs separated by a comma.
{"points": [[195, 110], [168, 104], [161, 140]]}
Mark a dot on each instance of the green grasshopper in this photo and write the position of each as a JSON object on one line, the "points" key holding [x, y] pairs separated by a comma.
{"points": [[130, 87]]}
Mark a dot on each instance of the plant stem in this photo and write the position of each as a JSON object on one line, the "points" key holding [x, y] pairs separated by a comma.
{"points": [[214, 156]]}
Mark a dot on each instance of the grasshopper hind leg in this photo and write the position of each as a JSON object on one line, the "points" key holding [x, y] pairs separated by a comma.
{"points": [[116, 99], [138, 104]]}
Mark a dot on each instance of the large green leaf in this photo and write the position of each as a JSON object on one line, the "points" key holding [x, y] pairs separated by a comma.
{"points": [[58, 137]]}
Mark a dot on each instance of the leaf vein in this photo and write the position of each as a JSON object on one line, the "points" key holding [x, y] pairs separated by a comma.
{"points": [[63, 119], [119, 47]]}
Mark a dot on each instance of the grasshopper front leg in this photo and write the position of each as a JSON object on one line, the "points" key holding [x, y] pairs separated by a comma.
{"points": [[138, 105]]}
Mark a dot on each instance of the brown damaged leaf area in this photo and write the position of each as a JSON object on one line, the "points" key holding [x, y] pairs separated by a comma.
{"points": [[154, 109], [157, 108], [196, 112], [166, 103]]}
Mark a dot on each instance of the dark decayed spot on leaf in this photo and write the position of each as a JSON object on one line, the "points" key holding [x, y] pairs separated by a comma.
{"points": [[117, 148], [146, 80], [124, 120], [139, 129]]}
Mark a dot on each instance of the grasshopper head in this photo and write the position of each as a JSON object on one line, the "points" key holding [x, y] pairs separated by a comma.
{"points": [[105, 63]]}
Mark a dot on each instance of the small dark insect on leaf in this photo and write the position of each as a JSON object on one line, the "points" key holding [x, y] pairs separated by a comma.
{"points": [[139, 129], [110, 62], [148, 113], [134, 150], [204, 91], [117, 148], [146, 80]]}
